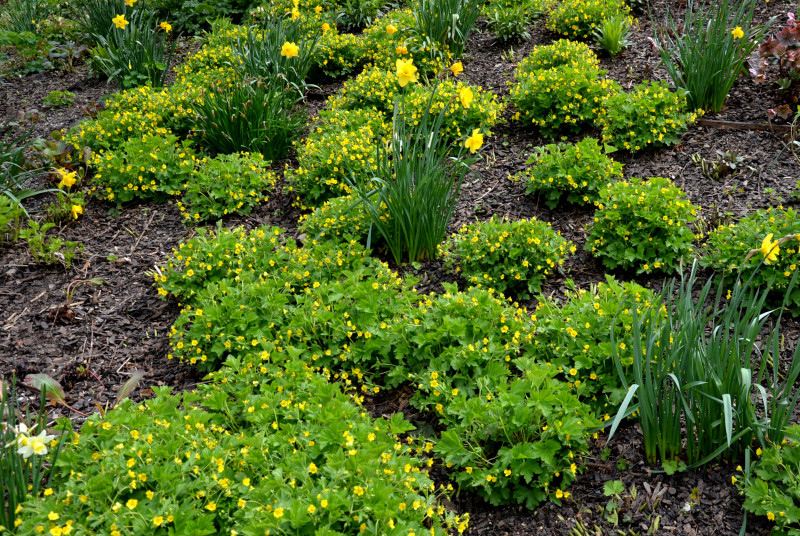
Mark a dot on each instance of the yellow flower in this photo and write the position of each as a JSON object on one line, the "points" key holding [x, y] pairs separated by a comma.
{"points": [[318, 9], [770, 516], [559, 494], [737, 32], [295, 14], [326, 28], [457, 68], [312, 468], [289, 50], [733, 480], [67, 178], [312, 509], [120, 22], [211, 506], [391, 29], [278, 513], [76, 211], [475, 141], [572, 372], [130, 3], [131, 504], [401, 50], [406, 72], [466, 96], [770, 249], [167, 27], [158, 521]]}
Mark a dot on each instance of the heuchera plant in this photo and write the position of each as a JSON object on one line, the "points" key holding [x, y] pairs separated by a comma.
{"points": [[781, 50]]}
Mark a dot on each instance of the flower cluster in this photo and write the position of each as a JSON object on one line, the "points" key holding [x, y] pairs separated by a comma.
{"points": [[341, 218], [649, 116], [507, 255], [578, 170], [341, 145], [579, 18], [729, 247], [563, 52], [642, 224]]}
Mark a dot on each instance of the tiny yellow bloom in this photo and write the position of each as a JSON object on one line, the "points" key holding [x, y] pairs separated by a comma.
{"points": [[167, 27], [391, 29], [76, 211], [131, 504]]}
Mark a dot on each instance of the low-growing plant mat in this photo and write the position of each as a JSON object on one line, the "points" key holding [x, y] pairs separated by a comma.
{"points": [[114, 328]]}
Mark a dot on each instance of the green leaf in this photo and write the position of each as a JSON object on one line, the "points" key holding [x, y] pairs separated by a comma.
{"points": [[51, 386], [613, 487]]}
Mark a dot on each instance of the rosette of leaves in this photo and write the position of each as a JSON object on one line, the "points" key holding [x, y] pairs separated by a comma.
{"points": [[575, 171], [728, 246], [650, 116], [226, 184], [507, 255], [643, 225]]}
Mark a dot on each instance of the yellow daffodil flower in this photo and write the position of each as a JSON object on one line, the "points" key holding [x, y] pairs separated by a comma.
{"points": [[466, 96], [76, 211], [406, 72], [737, 32], [120, 22], [475, 141], [770, 249], [457, 68], [289, 50]]}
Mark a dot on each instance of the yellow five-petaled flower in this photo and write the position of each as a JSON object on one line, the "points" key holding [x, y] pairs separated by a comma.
{"points": [[120, 22], [737, 32], [475, 141], [391, 29], [289, 50], [406, 72], [770, 249]]}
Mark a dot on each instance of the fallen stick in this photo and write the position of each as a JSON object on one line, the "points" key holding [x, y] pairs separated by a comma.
{"points": [[734, 125]]}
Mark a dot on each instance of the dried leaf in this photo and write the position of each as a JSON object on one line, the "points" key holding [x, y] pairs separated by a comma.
{"points": [[52, 387], [128, 387]]}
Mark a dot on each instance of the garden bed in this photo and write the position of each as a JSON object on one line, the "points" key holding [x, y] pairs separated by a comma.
{"points": [[119, 325]]}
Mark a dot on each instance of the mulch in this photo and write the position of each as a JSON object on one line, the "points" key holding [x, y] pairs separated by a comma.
{"points": [[110, 330]]}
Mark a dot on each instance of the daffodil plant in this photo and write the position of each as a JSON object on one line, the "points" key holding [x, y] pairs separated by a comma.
{"points": [[28, 453], [417, 176]]}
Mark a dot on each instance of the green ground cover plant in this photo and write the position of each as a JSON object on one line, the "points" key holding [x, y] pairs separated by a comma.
{"points": [[579, 18], [163, 166], [728, 248], [561, 99], [650, 116], [575, 339], [340, 218], [226, 184], [642, 225], [515, 256], [341, 143], [562, 52], [576, 172]]}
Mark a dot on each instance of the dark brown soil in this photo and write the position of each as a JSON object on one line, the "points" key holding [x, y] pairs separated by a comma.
{"points": [[110, 330]]}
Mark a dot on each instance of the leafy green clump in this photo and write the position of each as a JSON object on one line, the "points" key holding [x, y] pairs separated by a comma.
{"points": [[579, 18], [575, 171], [561, 99], [226, 184], [575, 338], [507, 255], [642, 224], [728, 246], [163, 165], [650, 116]]}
